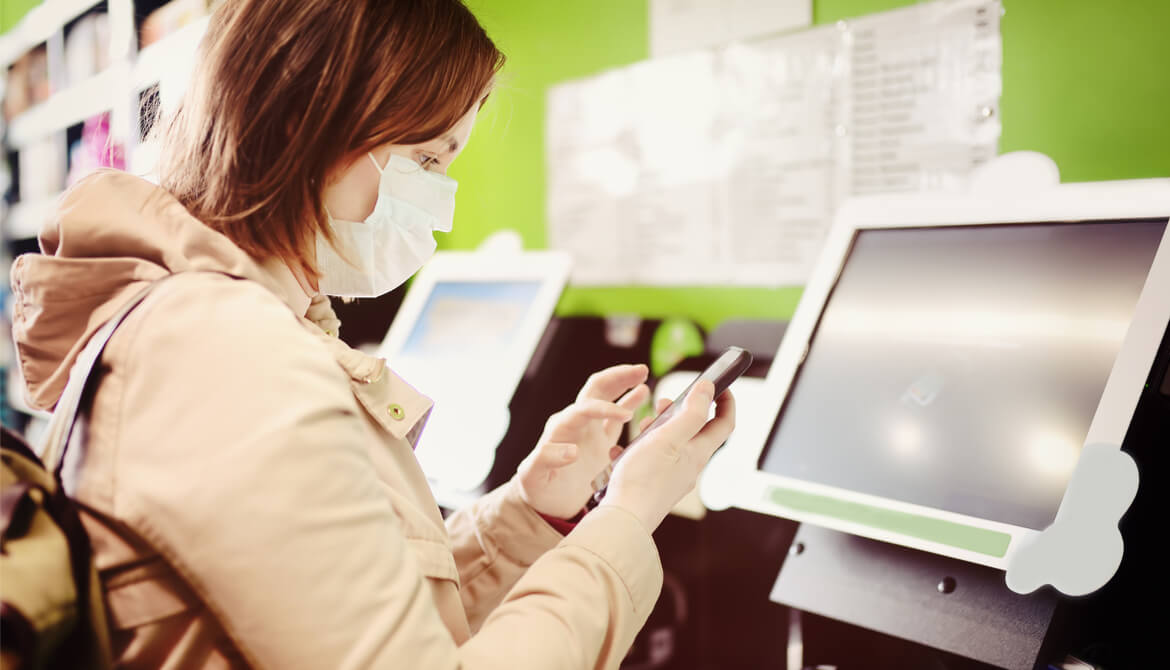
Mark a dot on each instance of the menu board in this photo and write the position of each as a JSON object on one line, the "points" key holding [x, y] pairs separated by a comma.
{"points": [[725, 166]]}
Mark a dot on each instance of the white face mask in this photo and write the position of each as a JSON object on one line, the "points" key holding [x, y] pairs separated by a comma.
{"points": [[396, 239]]}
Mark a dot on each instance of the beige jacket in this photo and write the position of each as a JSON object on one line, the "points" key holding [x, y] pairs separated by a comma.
{"points": [[252, 490]]}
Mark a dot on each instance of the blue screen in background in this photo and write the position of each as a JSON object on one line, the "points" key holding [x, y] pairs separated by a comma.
{"points": [[471, 318]]}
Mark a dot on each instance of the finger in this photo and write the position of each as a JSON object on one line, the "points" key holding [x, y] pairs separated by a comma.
{"points": [[712, 435], [635, 397], [552, 455], [632, 400], [662, 405], [612, 382], [691, 416], [615, 451], [580, 413]]}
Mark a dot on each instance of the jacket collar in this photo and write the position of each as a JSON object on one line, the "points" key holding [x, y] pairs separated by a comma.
{"points": [[393, 404], [285, 285]]}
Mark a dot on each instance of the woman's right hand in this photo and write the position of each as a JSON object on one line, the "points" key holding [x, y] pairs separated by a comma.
{"points": [[664, 466]]}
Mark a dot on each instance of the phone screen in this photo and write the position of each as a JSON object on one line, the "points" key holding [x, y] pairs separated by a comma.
{"points": [[732, 363]]}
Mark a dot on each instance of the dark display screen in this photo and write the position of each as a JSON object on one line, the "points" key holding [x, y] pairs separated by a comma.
{"points": [[959, 368]]}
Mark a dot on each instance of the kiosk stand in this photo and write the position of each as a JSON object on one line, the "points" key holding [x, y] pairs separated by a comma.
{"points": [[934, 600]]}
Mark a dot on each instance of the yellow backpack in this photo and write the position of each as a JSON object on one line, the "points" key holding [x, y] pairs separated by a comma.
{"points": [[52, 611]]}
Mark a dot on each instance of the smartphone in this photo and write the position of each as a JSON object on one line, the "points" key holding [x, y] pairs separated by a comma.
{"points": [[727, 368]]}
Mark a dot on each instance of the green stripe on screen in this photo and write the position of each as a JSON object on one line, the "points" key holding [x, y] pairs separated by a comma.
{"points": [[978, 540]]}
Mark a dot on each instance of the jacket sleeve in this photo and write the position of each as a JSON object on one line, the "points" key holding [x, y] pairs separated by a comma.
{"points": [[242, 459], [494, 541]]}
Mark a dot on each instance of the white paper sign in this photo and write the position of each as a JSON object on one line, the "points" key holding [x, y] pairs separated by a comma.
{"points": [[725, 166], [925, 84], [684, 25]]}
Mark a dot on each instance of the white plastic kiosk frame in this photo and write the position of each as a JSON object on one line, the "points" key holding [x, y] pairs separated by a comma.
{"points": [[1100, 479], [464, 336]]}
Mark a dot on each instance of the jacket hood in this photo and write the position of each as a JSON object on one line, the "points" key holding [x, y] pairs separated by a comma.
{"points": [[110, 235]]}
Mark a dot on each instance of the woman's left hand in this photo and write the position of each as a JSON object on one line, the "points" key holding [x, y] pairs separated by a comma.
{"points": [[580, 441]]}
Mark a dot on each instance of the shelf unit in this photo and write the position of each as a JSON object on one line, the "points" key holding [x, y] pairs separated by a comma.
{"points": [[42, 23], [68, 107], [25, 217], [116, 89], [166, 63]]}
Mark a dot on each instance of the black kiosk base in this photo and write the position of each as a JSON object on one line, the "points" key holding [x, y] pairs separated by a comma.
{"points": [[940, 602]]}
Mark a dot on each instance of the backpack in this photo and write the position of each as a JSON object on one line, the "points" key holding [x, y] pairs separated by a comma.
{"points": [[52, 610]]}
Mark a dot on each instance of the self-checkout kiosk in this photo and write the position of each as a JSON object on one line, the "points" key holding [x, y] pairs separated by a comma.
{"points": [[466, 332], [969, 397]]}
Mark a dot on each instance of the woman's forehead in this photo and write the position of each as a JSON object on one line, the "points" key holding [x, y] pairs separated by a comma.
{"points": [[457, 137]]}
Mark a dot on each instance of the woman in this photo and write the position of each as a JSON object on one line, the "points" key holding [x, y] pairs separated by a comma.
{"points": [[251, 488]]}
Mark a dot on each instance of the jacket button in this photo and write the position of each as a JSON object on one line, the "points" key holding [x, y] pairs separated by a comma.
{"points": [[396, 412]]}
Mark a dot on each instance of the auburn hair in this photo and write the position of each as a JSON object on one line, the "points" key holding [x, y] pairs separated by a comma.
{"points": [[284, 93]]}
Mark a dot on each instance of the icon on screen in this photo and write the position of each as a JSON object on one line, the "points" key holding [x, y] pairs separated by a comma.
{"points": [[924, 390]]}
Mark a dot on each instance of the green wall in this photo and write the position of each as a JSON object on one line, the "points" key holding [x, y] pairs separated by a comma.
{"points": [[1084, 81], [1088, 83], [12, 11]]}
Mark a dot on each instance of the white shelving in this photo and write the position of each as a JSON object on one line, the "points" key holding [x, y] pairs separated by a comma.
{"points": [[167, 62], [70, 106], [25, 218], [171, 57], [174, 55], [39, 25], [143, 160]]}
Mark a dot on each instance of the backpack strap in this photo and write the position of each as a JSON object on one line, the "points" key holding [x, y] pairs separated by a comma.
{"points": [[65, 413]]}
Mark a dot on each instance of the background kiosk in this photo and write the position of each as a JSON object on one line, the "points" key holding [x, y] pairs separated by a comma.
{"points": [[464, 335]]}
